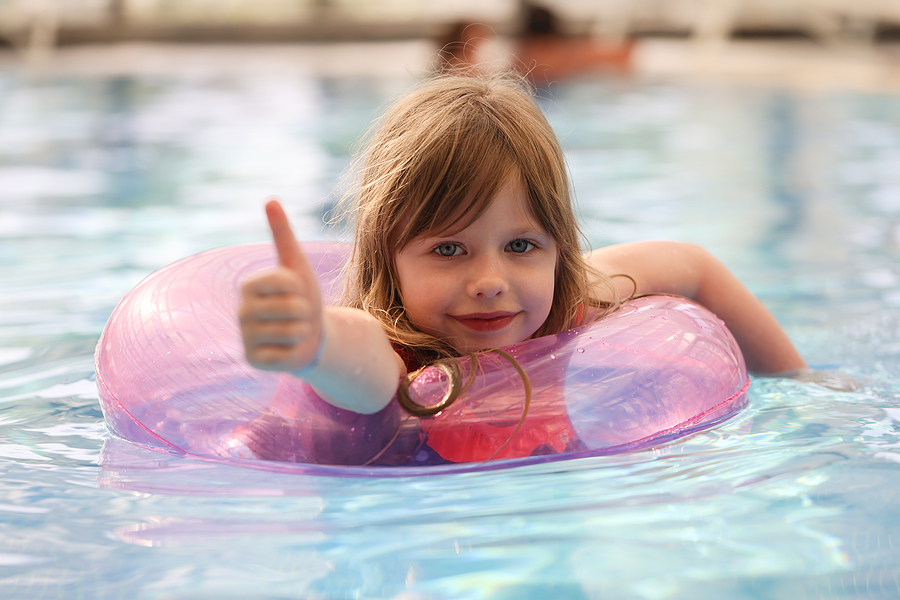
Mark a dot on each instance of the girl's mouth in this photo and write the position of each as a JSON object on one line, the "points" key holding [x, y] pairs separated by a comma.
{"points": [[486, 322]]}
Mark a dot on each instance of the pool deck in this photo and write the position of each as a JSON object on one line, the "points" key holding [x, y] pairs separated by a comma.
{"points": [[791, 64]]}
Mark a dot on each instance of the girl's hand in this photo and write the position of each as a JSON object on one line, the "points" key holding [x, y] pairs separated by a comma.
{"points": [[281, 310], [342, 352]]}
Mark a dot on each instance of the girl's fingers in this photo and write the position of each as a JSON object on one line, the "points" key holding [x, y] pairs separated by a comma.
{"points": [[269, 309], [274, 344], [278, 334], [273, 283], [271, 357]]}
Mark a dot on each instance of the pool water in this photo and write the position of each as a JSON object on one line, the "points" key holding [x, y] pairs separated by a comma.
{"points": [[105, 179]]}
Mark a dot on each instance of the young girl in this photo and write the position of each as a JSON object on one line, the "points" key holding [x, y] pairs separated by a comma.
{"points": [[466, 239]]}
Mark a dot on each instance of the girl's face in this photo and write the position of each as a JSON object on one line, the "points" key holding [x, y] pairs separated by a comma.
{"points": [[486, 286]]}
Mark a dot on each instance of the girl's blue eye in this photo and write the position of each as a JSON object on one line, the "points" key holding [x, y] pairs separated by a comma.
{"points": [[446, 249], [520, 246]]}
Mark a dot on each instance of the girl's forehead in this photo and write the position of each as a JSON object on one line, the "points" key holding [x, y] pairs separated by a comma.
{"points": [[510, 204], [476, 204]]}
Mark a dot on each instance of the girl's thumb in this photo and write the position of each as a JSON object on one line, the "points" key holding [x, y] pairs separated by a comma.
{"points": [[289, 253]]}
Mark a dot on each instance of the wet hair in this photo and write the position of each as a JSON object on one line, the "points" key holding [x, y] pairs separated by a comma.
{"points": [[433, 164]]}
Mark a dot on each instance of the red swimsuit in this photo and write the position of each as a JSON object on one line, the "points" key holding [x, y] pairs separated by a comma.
{"points": [[465, 435]]}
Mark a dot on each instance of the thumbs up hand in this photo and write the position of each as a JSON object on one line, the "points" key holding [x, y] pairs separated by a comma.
{"points": [[281, 310]]}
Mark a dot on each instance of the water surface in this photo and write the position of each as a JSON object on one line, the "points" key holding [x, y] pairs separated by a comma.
{"points": [[103, 180]]}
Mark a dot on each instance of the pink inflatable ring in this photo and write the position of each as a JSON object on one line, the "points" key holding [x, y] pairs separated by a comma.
{"points": [[172, 377]]}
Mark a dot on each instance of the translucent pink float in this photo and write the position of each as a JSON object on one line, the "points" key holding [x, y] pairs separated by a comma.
{"points": [[172, 377]]}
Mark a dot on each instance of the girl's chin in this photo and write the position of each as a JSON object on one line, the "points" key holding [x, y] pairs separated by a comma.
{"points": [[465, 341], [469, 346]]}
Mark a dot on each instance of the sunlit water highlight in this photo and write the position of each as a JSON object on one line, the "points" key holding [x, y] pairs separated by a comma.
{"points": [[104, 180]]}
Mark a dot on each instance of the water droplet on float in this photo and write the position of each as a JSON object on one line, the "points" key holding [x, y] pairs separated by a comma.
{"points": [[580, 350], [552, 357]]}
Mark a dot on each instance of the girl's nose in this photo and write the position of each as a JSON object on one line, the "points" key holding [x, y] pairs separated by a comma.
{"points": [[487, 278]]}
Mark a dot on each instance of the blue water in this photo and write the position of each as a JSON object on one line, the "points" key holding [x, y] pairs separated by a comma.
{"points": [[103, 180]]}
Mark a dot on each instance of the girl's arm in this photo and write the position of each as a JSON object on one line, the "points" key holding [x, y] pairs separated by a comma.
{"points": [[690, 271], [342, 352]]}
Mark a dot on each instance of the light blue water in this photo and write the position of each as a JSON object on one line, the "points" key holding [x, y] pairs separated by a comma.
{"points": [[104, 180]]}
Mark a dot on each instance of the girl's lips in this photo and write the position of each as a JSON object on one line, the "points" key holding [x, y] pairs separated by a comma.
{"points": [[486, 322]]}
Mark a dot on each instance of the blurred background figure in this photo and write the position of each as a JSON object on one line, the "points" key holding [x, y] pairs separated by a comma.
{"points": [[538, 46], [30, 26], [469, 48], [546, 54]]}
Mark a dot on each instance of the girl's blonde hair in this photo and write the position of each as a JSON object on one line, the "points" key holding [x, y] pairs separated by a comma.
{"points": [[434, 163]]}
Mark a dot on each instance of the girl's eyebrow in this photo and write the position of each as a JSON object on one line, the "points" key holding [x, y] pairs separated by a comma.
{"points": [[532, 229]]}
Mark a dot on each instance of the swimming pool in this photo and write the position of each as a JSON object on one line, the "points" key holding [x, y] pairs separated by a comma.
{"points": [[104, 179]]}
